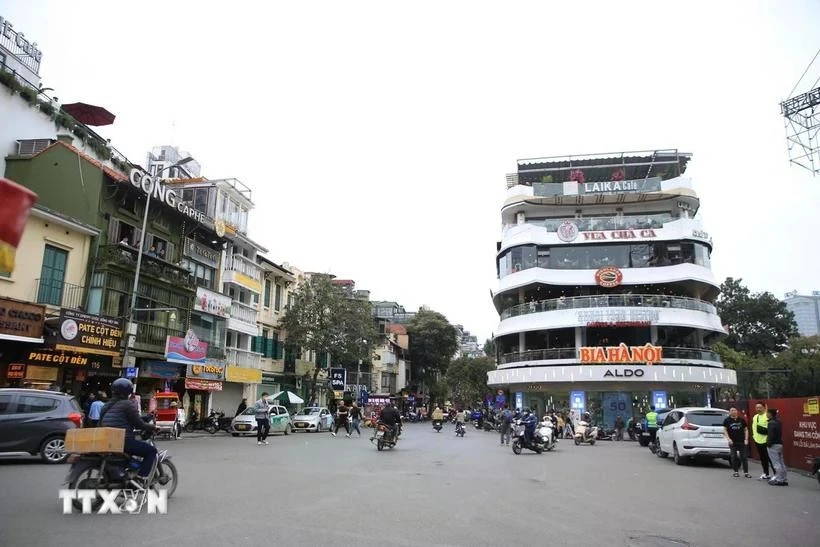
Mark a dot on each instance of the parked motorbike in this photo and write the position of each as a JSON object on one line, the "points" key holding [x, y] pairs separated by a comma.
{"points": [[546, 431], [585, 433], [211, 424], [634, 431], [437, 425], [384, 436], [460, 429], [605, 435], [520, 440], [117, 472], [224, 422]]}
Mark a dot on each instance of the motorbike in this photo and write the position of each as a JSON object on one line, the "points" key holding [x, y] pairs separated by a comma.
{"points": [[460, 429], [585, 433], [520, 440], [546, 431], [604, 435], [384, 436], [117, 472], [437, 425], [634, 431]]}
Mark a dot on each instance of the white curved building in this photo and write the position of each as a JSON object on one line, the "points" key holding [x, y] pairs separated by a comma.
{"points": [[605, 290]]}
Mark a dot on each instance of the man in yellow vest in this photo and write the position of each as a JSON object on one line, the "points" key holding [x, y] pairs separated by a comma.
{"points": [[760, 423], [652, 423]]}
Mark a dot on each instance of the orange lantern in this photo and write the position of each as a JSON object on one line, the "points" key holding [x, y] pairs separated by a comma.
{"points": [[15, 205]]}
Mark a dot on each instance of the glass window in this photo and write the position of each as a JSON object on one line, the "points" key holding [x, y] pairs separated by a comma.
{"points": [[640, 255], [543, 257], [278, 297], [707, 417], [5, 402], [266, 296], [201, 199], [29, 404]]}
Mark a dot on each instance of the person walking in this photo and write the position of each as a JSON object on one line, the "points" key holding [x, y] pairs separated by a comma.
{"points": [[95, 410], [737, 434], [262, 414], [619, 428], [242, 406], [341, 420], [356, 418], [759, 428], [506, 425], [87, 408], [774, 445]]}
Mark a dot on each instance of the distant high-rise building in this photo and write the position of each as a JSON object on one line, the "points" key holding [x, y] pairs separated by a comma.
{"points": [[806, 310]]}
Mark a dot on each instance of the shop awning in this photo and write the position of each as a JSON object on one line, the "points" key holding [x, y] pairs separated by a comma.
{"points": [[14, 338]]}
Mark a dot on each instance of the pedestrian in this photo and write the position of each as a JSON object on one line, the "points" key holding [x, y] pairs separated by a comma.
{"points": [[262, 414], [619, 428], [759, 428], [94, 411], [356, 417], [242, 406], [87, 408], [737, 434], [341, 420], [506, 425], [774, 445]]}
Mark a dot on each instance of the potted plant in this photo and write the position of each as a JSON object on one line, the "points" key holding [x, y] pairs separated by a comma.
{"points": [[28, 94], [46, 108]]}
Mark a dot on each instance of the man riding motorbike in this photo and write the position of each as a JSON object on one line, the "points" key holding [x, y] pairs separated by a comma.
{"points": [[530, 421], [391, 417], [121, 413], [438, 416]]}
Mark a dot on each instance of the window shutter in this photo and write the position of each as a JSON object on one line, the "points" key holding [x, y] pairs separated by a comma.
{"points": [[269, 347], [267, 293], [113, 230], [257, 344], [169, 253], [137, 234]]}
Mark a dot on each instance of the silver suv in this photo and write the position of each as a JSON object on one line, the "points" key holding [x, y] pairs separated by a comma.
{"points": [[35, 421]]}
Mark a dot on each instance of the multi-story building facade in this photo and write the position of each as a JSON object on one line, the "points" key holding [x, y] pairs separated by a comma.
{"points": [[278, 372], [806, 310], [19, 55], [605, 289]]}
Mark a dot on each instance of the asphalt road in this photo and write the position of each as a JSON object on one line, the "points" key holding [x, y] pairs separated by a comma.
{"points": [[432, 489]]}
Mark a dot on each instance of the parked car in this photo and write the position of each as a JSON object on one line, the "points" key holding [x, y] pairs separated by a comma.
{"points": [[693, 432], [35, 421], [313, 418], [245, 423]]}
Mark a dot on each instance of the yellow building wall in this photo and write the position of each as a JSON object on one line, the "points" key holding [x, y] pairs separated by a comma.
{"points": [[38, 233]]}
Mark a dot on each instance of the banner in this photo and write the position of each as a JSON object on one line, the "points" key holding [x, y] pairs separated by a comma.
{"points": [[159, 369], [87, 333], [202, 385], [800, 417], [213, 303], [243, 375], [206, 372], [186, 350], [21, 319]]}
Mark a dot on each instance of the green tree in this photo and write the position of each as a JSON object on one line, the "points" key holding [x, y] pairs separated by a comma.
{"points": [[489, 348], [758, 323], [326, 319], [467, 379], [747, 368], [801, 363], [432, 344]]}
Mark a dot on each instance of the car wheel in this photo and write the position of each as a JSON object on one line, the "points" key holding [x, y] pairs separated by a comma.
{"points": [[319, 427], [661, 454], [287, 429], [53, 450], [679, 460], [234, 434]]}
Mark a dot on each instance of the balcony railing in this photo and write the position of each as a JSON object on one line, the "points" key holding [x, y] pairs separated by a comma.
{"points": [[150, 336], [239, 263], [606, 301], [572, 353], [244, 313], [62, 295], [243, 358], [126, 257]]}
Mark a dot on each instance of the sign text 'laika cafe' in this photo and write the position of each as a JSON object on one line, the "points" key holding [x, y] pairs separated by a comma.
{"points": [[153, 187], [622, 353]]}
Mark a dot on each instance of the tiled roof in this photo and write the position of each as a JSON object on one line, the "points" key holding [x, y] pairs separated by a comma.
{"points": [[395, 328], [114, 174]]}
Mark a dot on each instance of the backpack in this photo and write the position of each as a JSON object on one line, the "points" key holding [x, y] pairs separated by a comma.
{"points": [[507, 417]]}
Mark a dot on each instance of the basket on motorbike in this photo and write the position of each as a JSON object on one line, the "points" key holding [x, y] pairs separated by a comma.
{"points": [[166, 415], [95, 440]]}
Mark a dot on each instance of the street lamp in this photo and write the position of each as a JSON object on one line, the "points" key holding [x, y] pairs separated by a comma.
{"points": [[131, 308]]}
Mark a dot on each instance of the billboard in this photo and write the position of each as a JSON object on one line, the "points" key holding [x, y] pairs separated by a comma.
{"points": [[87, 333], [188, 350]]}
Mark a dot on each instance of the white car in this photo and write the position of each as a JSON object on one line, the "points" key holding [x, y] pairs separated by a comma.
{"points": [[245, 423], [313, 418], [693, 432]]}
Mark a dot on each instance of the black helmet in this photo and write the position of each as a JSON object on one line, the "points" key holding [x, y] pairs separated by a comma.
{"points": [[122, 387]]}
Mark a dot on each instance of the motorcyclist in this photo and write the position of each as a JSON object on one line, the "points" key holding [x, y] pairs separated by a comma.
{"points": [[530, 421], [121, 413], [587, 419], [438, 415], [391, 417], [461, 416]]}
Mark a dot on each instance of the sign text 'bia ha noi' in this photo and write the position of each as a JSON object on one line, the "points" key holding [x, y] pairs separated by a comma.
{"points": [[622, 353]]}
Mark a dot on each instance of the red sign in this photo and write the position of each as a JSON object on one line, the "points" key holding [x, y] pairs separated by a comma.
{"points": [[622, 353], [609, 277], [188, 350], [800, 417], [16, 370], [202, 385], [618, 235], [618, 324]]}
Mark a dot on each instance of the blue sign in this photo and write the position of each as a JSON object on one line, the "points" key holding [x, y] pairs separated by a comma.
{"points": [[131, 372], [659, 399], [614, 405], [160, 369], [578, 400], [519, 399], [500, 400]]}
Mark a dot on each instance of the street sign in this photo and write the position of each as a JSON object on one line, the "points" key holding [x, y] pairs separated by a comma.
{"points": [[131, 372]]}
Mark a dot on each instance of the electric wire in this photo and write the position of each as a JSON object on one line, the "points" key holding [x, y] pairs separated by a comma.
{"points": [[804, 73]]}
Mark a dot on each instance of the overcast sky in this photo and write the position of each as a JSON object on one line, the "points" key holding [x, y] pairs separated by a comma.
{"points": [[376, 135]]}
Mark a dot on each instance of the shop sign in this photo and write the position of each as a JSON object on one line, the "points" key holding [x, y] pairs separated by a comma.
{"points": [[41, 373], [156, 189], [87, 333], [186, 350], [617, 235], [202, 385], [131, 372], [617, 316], [621, 186], [201, 253], [567, 231], [338, 379], [376, 400], [159, 369], [51, 357], [27, 48], [212, 303], [609, 277], [207, 372], [577, 400], [625, 373], [247, 281], [16, 370], [700, 234], [622, 353], [243, 375], [21, 319]]}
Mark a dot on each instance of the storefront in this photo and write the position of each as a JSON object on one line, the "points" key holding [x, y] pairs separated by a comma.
{"points": [[239, 383], [270, 384], [155, 376], [21, 329], [201, 382]]}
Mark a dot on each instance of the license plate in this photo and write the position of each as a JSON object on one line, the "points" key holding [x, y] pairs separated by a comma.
{"points": [[243, 427], [301, 424], [380, 434], [714, 435]]}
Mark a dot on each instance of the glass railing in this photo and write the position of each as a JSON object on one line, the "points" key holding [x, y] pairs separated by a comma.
{"points": [[572, 353], [592, 224], [610, 301], [243, 358], [239, 263]]}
